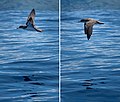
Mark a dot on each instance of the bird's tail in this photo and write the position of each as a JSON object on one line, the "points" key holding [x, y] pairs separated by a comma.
{"points": [[100, 22]]}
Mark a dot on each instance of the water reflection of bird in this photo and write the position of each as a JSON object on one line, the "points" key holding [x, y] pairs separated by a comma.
{"points": [[88, 25], [30, 22]]}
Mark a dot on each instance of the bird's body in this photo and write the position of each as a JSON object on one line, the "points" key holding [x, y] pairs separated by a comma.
{"points": [[30, 22], [88, 26]]}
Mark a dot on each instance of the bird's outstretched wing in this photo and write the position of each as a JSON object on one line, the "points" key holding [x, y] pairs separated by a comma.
{"points": [[31, 17], [88, 27], [32, 14]]}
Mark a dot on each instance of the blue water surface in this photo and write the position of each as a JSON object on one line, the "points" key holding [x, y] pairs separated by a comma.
{"points": [[28, 59], [90, 68]]}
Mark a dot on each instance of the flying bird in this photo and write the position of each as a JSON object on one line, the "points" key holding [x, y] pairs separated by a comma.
{"points": [[88, 25], [30, 22]]}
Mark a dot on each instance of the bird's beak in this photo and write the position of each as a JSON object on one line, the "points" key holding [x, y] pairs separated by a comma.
{"points": [[79, 21]]}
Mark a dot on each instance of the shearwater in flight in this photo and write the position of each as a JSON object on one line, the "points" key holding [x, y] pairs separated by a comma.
{"points": [[30, 22], [88, 25]]}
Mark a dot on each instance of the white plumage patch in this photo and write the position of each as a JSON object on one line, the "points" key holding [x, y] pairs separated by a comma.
{"points": [[29, 26]]}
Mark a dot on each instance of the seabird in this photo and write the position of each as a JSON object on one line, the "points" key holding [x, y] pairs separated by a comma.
{"points": [[30, 22], [88, 25]]}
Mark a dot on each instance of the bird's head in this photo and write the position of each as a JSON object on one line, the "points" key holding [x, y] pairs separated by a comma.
{"points": [[85, 20]]}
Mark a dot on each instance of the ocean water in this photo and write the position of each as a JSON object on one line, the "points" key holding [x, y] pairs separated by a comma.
{"points": [[90, 68], [41, 5], [28, 59]]}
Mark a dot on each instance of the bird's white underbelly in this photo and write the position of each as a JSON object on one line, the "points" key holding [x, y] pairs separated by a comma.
{"points": [[30, 27]]}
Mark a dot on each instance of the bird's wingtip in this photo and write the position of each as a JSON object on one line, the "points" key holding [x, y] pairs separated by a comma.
{"points": [[88, 37], [33, 10]]}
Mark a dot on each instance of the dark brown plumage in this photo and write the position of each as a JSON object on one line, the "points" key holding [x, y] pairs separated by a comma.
{"points": [[88, 26], [30, 22]]}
